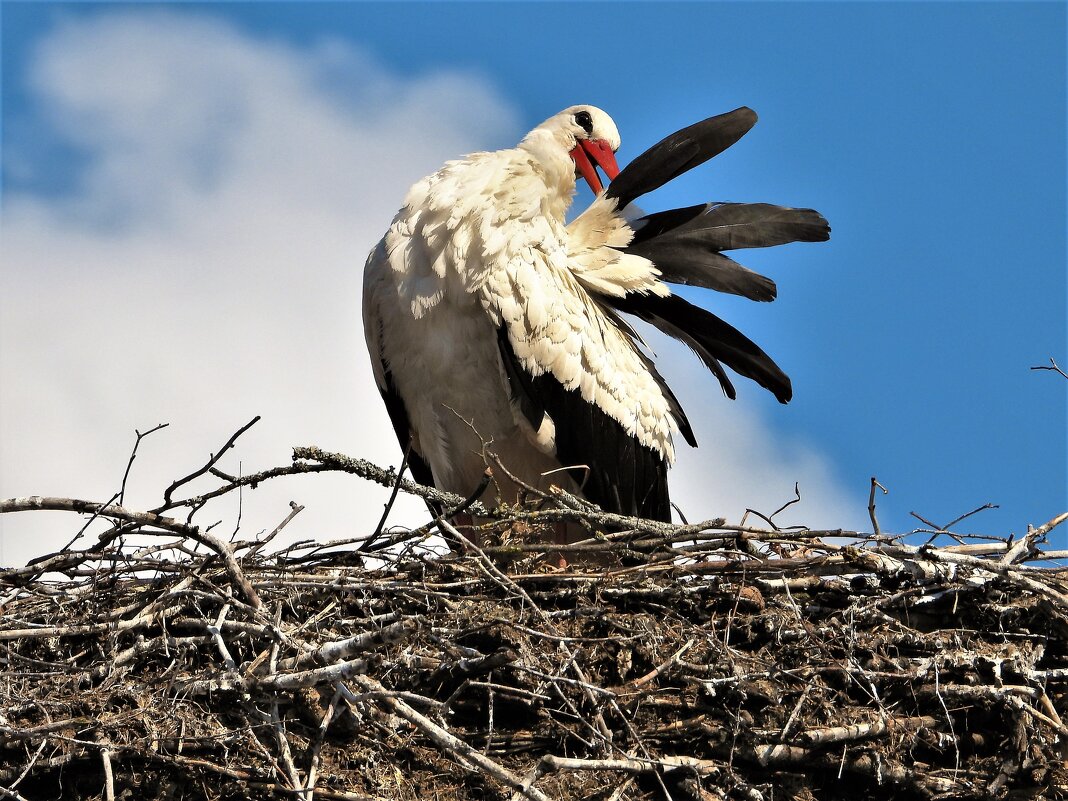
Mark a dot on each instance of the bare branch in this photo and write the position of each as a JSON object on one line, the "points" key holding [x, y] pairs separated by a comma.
{"points": [[1052, 367], [167, 503], [871, 505], [133, 455], [150, 519]]}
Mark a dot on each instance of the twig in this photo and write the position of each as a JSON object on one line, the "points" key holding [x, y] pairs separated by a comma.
{"points": [[105, 540], [927, 522], [978, 509], [335, 651], [1046, 528], [469, 501], [317, 746], [863, 731], [294, 510], [152, 519], [167, 503], [1023, 548], [109, 776], [1053, 368], [283, 747], [763, 517], [795, 499], [552, 763], [871, 505], [216, 632], [446, 741], [133, 455], [671, 660], [314, 677], [389, 504]]}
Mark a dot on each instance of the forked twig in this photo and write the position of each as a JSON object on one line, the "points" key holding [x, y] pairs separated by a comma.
{"points": [[167, 502], [133, 455], [871, 506], [1053, 367]]}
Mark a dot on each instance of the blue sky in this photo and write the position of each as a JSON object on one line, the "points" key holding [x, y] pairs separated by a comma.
{"points": [[932, 136]]}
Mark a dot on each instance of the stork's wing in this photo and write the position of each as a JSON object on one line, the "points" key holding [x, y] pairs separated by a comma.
{"points": [[582, 386], [685, 246], [372, 328]]}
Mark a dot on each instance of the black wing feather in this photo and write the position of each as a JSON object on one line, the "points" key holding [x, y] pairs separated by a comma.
{"points": [[680, 152], [615, 471], [731, 226], [685, 244], [520, 382], [398, 415], [713, 340], [682, 262]]}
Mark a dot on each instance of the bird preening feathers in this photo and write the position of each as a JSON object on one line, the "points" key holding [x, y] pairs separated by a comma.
{"points": [[496, 326]]}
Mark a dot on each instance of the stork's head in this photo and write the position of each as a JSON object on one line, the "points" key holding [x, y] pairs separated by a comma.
{"points": [[587, 135]]}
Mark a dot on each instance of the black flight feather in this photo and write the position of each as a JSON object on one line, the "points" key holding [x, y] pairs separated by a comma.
{"points": [[685, 244], [682, 262], [398, 415], [731, 226], [713, 340], [678, 153], [614, 470], [520, 382]]}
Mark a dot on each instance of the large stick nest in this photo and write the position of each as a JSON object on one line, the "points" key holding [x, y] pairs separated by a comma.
{"points": [[666, 662]]}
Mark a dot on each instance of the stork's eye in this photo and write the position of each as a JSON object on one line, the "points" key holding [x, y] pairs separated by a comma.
{"points": [[585, 121]]}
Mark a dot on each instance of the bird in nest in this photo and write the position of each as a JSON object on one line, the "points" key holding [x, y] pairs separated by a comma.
{"points": [[495, 326]]}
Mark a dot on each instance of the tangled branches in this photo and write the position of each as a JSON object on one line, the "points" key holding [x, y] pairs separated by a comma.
{"points": [[711, 662]]}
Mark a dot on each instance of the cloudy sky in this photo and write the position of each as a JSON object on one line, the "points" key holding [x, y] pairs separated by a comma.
{"points": [[189, 192]]}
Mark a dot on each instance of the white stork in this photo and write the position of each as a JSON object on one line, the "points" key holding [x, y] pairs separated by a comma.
{"points": [[493, 324]]}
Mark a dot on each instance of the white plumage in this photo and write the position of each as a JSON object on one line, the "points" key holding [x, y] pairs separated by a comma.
{"points": [[490, 322]]}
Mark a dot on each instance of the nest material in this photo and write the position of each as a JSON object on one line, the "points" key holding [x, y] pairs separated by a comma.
{"points": [[721, 663]]}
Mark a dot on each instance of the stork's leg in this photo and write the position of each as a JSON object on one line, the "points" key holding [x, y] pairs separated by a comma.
{"points": [[570, 533], [560, 537], [465, 524]]}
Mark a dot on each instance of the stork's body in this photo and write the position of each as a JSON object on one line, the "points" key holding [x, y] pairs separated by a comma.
{"points": [[491, 325]]}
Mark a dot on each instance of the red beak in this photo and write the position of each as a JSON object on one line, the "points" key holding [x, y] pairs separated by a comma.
{"points": [[590, 154]]}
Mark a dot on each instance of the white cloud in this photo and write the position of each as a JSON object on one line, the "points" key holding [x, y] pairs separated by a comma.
{"points": [[741, 464], [206, 265]]}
